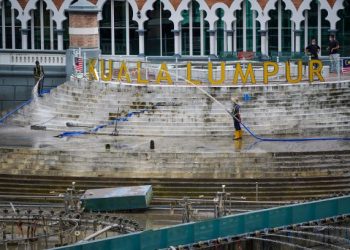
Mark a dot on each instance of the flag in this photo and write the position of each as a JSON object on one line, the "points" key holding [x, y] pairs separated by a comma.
{"points": [[346, 65], [78, 64]]}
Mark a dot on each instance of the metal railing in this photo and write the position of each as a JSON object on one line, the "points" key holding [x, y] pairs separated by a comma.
{"points": [[225, 227], [28, 57]]}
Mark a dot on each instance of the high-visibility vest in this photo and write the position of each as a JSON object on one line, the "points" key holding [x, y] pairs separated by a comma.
{"points": [[38, 71]]}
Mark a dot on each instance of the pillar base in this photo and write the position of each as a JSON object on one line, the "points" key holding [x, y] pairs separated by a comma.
{"points": [[298, 32], [332, 32], [141, 55], [89, 53], [263, 32], [24, 37], [264, 57]]}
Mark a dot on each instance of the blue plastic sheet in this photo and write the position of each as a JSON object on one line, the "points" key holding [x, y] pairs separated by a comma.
{"points": [[99, 127]]}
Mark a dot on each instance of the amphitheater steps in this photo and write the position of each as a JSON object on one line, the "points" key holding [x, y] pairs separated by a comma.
{"points": [[269, 189], [185, 111], [90, 104], [175, 165]]}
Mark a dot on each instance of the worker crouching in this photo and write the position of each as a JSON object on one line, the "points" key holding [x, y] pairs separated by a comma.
{"points": [[236, 119]]}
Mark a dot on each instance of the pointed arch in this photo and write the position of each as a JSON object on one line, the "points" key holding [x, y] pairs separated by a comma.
{"points": [[176, 17], [298, 11], [263, 11], [226, 18], [59, 16], [229, 11], [211, 17], [332, 11], [15, 4], [160, 35], [133, 4], [24, 14], [148, 6], [236, 5]]}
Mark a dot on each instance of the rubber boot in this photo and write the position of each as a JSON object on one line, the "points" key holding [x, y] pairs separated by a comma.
{"points": [[238, 145], [240, 134], [237, 135]]}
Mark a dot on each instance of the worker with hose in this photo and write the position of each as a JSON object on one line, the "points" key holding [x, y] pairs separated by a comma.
{"points": [[236, 119], [234, 113], [39, 77]]}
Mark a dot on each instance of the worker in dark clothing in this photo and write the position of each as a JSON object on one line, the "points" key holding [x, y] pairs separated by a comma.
{"points": [[39, 77], [333, 50], [236, 118], [313, 49]]}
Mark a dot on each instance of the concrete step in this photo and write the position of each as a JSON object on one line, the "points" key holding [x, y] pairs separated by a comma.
{"points": [[268, 189]]}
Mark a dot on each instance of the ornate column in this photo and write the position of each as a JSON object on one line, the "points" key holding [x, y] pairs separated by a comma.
{"points": [[83, 32], [229, 34], [212, 42], [60, 39], [263, 34], [297, 40], [24, 36], [332, 32], [141, 33], [177, 52]]}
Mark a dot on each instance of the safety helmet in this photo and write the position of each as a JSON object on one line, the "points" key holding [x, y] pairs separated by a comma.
{"points": [[234, 100]]}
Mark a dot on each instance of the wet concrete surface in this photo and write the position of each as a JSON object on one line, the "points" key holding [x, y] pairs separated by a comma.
{"points": [[12, 136]]}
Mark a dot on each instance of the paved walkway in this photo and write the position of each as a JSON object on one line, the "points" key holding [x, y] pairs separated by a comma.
{"points": [[25, 137]]}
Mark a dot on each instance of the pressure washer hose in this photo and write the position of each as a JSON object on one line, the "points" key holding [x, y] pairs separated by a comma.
{"points": [[75, 133], [252, 133], [130, 114]]}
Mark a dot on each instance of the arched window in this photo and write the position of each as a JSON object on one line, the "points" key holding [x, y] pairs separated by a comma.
{"points": [[195, 38], [280, 30], [118, 34], [10, 34], [245, 28], [65, 28], [343, 28], [220, 32], [316, 26], [41, 28], [239, 29], [159, 36]]}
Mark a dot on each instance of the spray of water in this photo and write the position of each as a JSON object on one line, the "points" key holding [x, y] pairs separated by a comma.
{"points": [[35, 90], [252, 133], [228, 112]]}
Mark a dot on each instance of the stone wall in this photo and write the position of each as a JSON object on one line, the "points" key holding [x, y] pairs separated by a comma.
{"points": [[16, 84]]}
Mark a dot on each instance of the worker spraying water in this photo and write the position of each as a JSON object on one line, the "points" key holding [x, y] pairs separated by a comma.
{"points": [[165, 75], [236, 119]]}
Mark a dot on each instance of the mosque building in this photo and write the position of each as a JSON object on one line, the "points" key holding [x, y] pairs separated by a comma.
{"points": [[52, 31], [181, 28]]}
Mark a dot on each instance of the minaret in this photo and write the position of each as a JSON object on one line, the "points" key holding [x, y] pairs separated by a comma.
{"points": [[83, 32]]}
